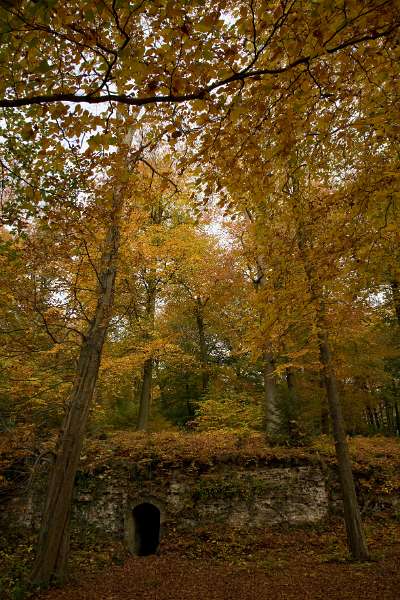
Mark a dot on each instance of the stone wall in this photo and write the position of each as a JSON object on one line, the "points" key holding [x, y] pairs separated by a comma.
{"points": [[195, 485], [236, 495]]}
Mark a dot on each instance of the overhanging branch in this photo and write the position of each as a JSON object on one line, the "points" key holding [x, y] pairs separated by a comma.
{"points": [[201, 93]]}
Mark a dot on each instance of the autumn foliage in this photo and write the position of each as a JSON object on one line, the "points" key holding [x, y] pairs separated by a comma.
{"points": [[199, 227]]}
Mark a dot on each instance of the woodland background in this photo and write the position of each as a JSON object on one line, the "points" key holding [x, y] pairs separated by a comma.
{"points": [[200, 219]]}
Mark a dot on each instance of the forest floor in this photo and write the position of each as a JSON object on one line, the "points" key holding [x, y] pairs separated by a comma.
{"points": [[299, 563], [308, 563]]}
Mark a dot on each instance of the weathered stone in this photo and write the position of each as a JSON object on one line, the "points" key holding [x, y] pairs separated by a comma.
{"points": [[239, 496]]}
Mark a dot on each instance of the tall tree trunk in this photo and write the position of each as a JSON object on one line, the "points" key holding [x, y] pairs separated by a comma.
{"points": [[390, 428], [355, 533], [395, 287], [354, 528], [369, 416], [202, 345], [293, 397], [324, 417], [54, 533], [381, 415], [324, 409], [147, 374], [293, 408], [397, 415], [377, 420], [394, 284], [145, 395], [291, 386], [271, 412], [272, 418]]}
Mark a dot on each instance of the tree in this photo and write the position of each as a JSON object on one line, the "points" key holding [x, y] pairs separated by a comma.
{"points": [[312, 263], [157, 64], [235, 82], [53, 546]]}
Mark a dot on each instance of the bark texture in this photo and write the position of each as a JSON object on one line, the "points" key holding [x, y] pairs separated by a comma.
{"points": [[53, 542], [354, 528], [271, 412], [202, 344], [290, 381], [270, 395], [293, 409], [397, 415], [147, 373], [324, 409], [145, 395], [395, 287]]}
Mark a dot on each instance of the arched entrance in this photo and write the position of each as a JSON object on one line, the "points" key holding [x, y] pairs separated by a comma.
{"points": [[146, 522]]}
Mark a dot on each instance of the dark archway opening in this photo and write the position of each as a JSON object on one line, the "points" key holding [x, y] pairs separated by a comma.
{"points": [[146, 518]]}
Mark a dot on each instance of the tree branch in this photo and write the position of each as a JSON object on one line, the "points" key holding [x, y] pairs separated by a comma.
{"points": [[200, 93]]}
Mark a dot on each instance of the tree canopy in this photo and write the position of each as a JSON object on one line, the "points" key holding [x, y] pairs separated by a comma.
{"points": [[200, 224]]}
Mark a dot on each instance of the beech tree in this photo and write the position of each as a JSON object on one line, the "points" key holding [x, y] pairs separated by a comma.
{"points": [[232, 82], [313, 263], [53, 545], [153, 252]]}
